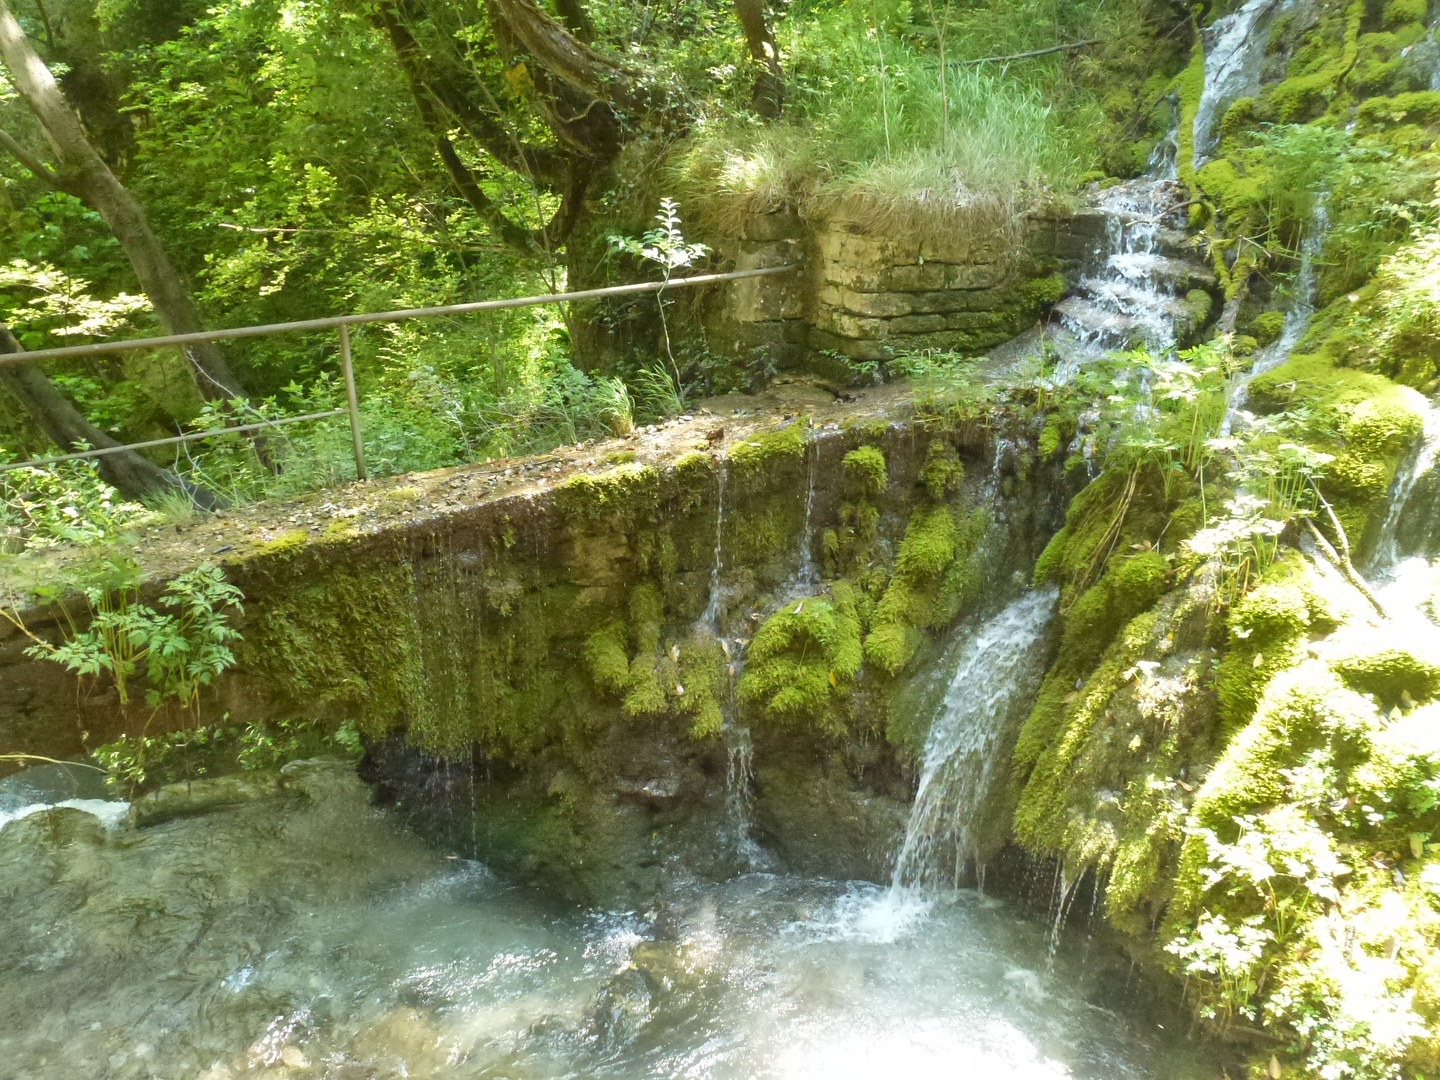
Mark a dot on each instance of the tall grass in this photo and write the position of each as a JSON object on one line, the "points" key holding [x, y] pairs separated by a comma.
{"points": [[871, 114]]}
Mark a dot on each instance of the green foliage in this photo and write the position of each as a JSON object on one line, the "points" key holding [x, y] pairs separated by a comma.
{"points": [[64, 504], [869, 115], [176, 653], [136, 764]]}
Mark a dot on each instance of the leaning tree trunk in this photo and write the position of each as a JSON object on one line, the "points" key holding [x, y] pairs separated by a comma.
{"points": [[125, 470], [85, 175]]}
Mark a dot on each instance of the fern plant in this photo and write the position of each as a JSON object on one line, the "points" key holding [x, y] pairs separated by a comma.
{"points": [[176, 651]]}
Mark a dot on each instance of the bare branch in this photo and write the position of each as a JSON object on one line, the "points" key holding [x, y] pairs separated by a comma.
{"points": [[43, 172], [1068, 47]]}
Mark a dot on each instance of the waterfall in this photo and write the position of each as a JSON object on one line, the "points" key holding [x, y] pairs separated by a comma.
{"points": [[996, 677], [711, 618], [1417, 465], [1233, 57], [1298, 314], [1135, 295], [805, 575]]}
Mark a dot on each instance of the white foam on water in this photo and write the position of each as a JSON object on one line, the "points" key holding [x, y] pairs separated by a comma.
{"points": [[111, 814]]}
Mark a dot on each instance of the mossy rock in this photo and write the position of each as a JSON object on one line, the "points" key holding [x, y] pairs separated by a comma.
{"points": [[1390, 675]]}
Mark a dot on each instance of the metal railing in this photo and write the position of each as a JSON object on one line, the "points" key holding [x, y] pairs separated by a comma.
{"points": [[342, 323]]}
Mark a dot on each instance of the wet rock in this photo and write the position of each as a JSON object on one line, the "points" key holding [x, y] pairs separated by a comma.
{"points": [[824, 824], [624, 1005], [202, 796]]}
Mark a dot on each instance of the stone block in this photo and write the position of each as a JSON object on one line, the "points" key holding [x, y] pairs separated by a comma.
{"points": [[856, 349], [764, 299], [879, 305], [859, 252], [921, 277], [850, 326], [977, 320], [918, 324], [1081, 248], [976, 275], [943, 303]]}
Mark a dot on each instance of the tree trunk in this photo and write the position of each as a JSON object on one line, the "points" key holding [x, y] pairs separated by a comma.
{"points": [[129, 473], [85, 175], [769, 94]]}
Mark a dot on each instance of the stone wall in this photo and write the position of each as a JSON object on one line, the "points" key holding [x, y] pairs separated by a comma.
{"points": [[868, 291]]}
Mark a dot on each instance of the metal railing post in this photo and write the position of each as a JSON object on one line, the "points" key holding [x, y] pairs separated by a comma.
{"points": [[353, 400]]}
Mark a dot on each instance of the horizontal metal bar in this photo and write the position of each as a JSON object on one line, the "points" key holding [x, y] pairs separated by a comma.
{"points": [[171, 441], [333, 321]]}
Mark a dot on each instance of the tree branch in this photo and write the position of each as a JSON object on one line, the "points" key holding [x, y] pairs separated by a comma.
{"points": [[46, 175], [1068, 47], [539, 163], [564, 55], [65, 426]]}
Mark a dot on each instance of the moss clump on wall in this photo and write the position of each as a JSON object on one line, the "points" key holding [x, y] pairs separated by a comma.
{"points": [[936, 574], [1393, 676], [1364, 421], [804, 660], [349, 638], [766, 448], [631, 488], [1268, 632], [866, 466]]}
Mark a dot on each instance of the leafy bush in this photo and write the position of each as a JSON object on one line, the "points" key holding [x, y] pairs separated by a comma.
{"points": [[63, 504]]}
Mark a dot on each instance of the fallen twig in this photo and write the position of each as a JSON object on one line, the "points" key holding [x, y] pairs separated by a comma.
{"points": [[1069, 47]]}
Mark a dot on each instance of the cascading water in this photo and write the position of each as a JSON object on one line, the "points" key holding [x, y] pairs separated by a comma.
{"points": [[711, 617], [1417, 465], [1234, 54], [1136, 296], [805, 574], [1298, 313], [1136, 293], [996, 676]]}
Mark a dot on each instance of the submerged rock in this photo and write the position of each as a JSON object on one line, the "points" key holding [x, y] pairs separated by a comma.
{"points": [[202, 796]]}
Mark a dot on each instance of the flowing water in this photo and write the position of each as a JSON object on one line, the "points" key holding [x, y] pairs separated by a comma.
{"points": [[313, 936], [996, 676], [1413, 470], [1299, 311], [1234, 54], [1135, 295]]}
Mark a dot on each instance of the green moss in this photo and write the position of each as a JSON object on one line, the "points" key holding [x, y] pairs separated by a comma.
{"points": [[1419, 107], [1052, 436], [942, 472], [607, 656], [933, 580], [1042, 815], [1268, 631], [804, 660], [1187, 87], [761, 450], [1049, 289], [1390, 675], [1399, 12], [1267, 326], [287, 543], [865, 467], [1364, 420], [627, 488]]}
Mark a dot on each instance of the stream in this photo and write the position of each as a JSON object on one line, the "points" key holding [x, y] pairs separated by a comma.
{"points": [[312, 935]]}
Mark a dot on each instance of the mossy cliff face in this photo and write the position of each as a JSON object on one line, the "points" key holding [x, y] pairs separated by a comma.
{"points": [[580, 661], [1244, 758]]}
